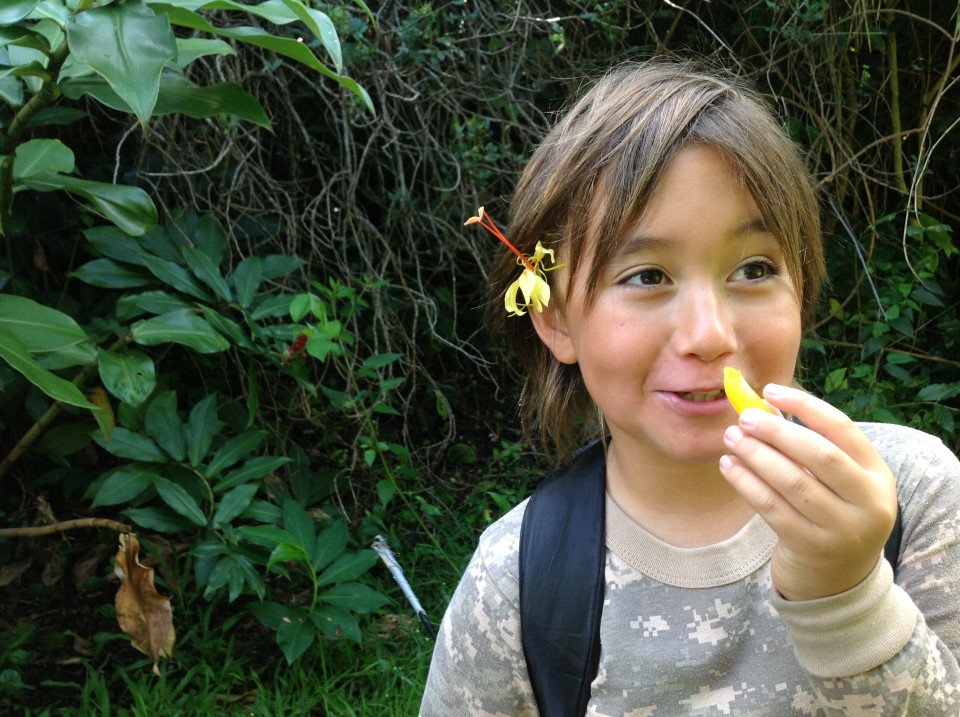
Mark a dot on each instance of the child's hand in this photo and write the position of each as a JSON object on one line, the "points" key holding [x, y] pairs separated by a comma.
{"points": [[822, 487]]}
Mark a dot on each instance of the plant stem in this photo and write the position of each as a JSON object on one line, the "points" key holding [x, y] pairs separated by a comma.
{"points": [[39, 530]]}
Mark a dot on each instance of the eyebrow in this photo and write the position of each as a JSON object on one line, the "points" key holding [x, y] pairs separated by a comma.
{"points": [[641, 243]]}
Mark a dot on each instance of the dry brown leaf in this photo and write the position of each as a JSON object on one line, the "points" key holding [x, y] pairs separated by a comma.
{"points": [[12, 571], [142, 613]]}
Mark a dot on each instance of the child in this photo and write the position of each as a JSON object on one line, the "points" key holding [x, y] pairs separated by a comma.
{"points": [[743, 569]]}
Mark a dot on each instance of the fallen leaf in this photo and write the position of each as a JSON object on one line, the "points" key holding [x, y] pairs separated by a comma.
{"points": [[89, 564], [142, 613], [12, 571]]}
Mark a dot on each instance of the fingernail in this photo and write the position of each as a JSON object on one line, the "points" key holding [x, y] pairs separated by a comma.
{"points": [[774, 390], [732, 435], [725, 462]]}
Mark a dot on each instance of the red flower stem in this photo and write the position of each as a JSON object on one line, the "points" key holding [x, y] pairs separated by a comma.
{"points": [[487, 223]]}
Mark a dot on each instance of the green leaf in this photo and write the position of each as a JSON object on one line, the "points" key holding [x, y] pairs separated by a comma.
{"points": [[182, 502], [162, 423], [191, 48], [246, 280], [159, 518], [174, 275], [300, 525], [44, 330], [277, 266], [380, 360], [233, 450], [206, 270], [295, 637], [268, 536], [178, 95], [39, 156], [112, 243], [122, 485], [202, 427], [262, 512], [13, 11], [353, 596], [149, 302], [330, 545], [124, 443], [14, 353], [938, 392], [322, 27], [271, 614], [232, 504], [129, 375], [348, 567], [254, 469], [181, 327], [336, 623], [128, 45], [130, 208], [109, 274], [285, 552]]}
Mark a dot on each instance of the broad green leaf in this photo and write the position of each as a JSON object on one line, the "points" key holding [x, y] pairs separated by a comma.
{"points": [[202, 427], [125, 443], [228, 328], [268, 536], [191, 48], [206, 270], [42, 155], [262, 512], [246, 280], [244, 573], [54, 10], [380, 360], [162, 423], [277, 266], [253, 469], [11, 91], [128, 45], [233, 503], [13, 11], [354, 597], [110, 242], [49, 116], [336, 623], [286, 552], [300, 525], [129, 375], [123, 484], [109, 274], [159, 518], [178, 95], [130, 208], [149, 302], [233, 450], [271, 614], [295, 637], [14, 353], [181, 327], [322, 27], [938, 391], [330, 545], [43, 330], [174, 275], [182, 502], [348, 567]]}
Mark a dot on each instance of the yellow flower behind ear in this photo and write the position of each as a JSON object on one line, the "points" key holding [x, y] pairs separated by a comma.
{"points": [[532, 283]]}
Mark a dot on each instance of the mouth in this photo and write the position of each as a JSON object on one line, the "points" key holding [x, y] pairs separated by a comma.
{"points": [[702, 396]]}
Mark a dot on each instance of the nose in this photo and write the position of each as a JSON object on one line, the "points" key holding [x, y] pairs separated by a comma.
{"points": [[704, 324]]}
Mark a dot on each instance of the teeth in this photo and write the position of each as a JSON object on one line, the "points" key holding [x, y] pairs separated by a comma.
{"points": [[698, 397]]}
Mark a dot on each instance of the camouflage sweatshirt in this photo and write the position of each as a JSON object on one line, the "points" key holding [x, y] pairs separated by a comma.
{"points": [[702, 632]]}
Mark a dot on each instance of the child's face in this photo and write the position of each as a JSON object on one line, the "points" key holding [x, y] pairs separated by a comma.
{"points": [[698, 285]]}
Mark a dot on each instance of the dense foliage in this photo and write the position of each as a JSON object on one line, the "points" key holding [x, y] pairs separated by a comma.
{"points": [[239, 310]]}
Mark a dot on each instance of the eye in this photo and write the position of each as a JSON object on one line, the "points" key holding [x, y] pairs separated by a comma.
{"points": [[755, 270], [648, 277]]}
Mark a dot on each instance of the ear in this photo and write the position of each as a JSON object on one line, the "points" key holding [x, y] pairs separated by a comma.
{"points": [[551, 327]]}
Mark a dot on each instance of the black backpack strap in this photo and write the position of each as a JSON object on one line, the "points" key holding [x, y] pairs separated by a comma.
{"points": [[562, 583]]}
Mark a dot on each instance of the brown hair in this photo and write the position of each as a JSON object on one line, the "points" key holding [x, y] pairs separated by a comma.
{"points": [[621, 136]]}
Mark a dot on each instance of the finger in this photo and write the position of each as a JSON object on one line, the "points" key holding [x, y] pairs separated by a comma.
{"points": [[789, 479], [824, 420]]}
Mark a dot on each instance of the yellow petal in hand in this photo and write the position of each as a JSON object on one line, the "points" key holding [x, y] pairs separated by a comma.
{"points": [[739, 392]]}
